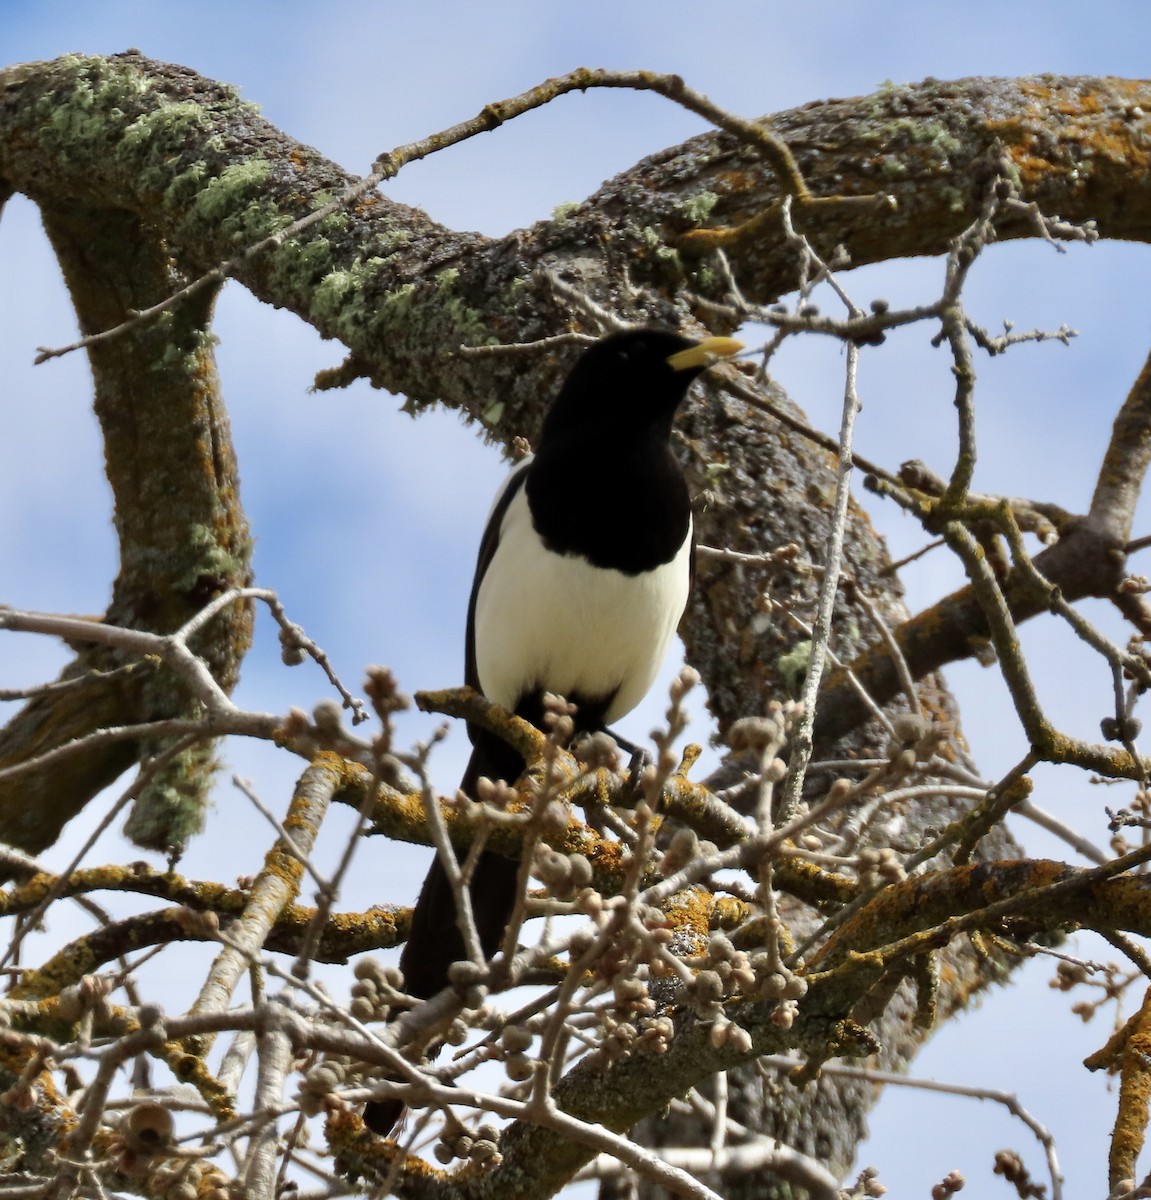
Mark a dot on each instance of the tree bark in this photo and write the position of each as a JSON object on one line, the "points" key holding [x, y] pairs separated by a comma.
{"points": [[138, 165]]}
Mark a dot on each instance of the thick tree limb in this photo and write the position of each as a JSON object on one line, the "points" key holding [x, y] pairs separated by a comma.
{"points": [[183, 537], [169, 166]]}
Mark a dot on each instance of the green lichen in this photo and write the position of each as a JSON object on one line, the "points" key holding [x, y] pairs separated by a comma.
{"points": [[567, 209], [168, 122], [793, 665], [955, 198], [670, 258], [187, 183], [153, 146], [339, 296], [350, 300], [336, 222], [220, 198], [210, 558], [233, 202], [391, 238], [202, 339], [879, 107], [696, 209], [332, 292], [936, 135], [306, 264], [96, 99], [309, 260], [933, 134], [704, 277], [1015, 175], [400, 303], [180, 345], [660, 251], [172, 357], [470, 322], [170, 810]]}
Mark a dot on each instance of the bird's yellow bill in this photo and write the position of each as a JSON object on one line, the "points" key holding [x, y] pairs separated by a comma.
{"points": [[704, 353]]}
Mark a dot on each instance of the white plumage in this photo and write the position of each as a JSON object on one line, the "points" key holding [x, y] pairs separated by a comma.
{"points": [[605, 488], [553, 620]]}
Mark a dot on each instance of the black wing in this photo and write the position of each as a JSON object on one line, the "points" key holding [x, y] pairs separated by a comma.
{"points": [[488, 544]]}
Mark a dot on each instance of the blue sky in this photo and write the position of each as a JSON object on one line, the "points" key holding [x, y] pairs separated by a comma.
{"points": [[346, 479]]}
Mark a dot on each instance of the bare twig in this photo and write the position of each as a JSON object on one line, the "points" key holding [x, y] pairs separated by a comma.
{"points": [[821, 634], [1007, 1099]]}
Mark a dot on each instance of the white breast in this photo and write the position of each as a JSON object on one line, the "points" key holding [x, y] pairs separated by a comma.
{"points": [[555, 621]]}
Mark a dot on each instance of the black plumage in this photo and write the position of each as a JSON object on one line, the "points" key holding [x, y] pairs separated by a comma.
{"points": [[583, 573]]}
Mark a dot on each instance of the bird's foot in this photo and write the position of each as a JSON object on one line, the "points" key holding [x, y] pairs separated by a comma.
{"points": [[636, 768]]}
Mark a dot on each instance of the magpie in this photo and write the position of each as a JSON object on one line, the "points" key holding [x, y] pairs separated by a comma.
{"points": [[583, 573]]}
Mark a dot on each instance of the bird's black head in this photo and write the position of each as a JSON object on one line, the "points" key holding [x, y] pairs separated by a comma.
{"points": [[633, 379]]}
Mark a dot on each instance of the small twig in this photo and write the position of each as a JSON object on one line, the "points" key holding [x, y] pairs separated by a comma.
{"points": [[295, 641], [718, 1139], [146, 774], [75, 1161], [951, 835], [246, 788], [997, 345], [889, 1079], [602, 318], [518, 348], [1123, 662], [893, 649], [802, 742], [760, 1156], [189, 730], [1028, 809], [785, 556], [328, 893], [63, 685], [1052, 230], [899, 564], [857, 686], [138, 317], [1130, 949], [731, 381], [745, 855]]}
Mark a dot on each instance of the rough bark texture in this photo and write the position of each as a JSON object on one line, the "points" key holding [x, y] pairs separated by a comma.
{"points": [[134, 161], [182, 534]]}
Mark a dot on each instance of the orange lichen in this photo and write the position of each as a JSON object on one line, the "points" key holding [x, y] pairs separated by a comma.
{"points": [[735, 182], [1090, 131], [691, 910], [1131, 1049]]}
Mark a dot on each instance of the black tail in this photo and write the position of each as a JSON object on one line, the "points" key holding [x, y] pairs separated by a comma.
{"points": [[434, 940]]}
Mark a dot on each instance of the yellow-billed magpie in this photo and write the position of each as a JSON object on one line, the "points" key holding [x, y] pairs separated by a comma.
{"points": [[583, 574]]}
